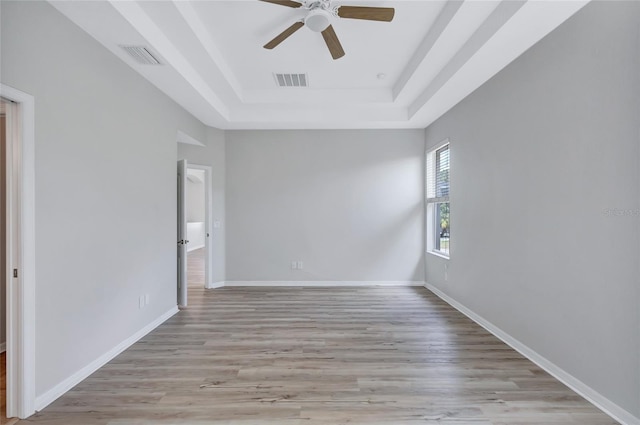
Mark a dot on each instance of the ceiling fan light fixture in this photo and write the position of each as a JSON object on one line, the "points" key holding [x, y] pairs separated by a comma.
{"points": [[319, 17], [318, 20]]}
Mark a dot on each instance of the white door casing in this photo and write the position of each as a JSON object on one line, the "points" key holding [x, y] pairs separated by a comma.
{"points": [[21, 289], [182, 233]]}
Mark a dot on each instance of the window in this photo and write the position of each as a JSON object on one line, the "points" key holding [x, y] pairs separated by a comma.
{"points": [[438, 207]]}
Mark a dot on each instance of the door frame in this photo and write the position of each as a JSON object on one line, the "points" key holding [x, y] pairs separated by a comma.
{"points": [[208, 224], [21, 253], [182, 235]]}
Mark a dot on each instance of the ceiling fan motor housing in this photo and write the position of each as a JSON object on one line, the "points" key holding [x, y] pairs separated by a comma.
{"points": [[318, 20]]}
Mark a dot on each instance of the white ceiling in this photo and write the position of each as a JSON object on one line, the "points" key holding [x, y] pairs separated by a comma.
{"points": [[433, 54]]}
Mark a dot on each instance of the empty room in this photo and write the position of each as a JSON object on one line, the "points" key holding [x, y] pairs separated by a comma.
{"points": [[295, 212]]}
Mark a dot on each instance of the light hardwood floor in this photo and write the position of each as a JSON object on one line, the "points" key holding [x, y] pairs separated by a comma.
{"points": [[319, 356], [3, 386], [195, 277], [3, 392], [195, 268]]}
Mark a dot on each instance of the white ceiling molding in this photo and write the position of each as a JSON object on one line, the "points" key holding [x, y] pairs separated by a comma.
{"points": [[530, 24], [200, 31], [265, 117], [136, 16], [327, 97], [433, 54], [469, 16], [490, 27], [442, 21]]}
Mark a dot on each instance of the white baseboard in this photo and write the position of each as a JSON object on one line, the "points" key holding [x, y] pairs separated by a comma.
{"points": [[322, 283], [214, 285], [47, 398], [3, 347], [193, 248], [601, 402]]}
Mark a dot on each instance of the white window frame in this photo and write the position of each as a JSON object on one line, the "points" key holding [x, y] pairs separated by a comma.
{"points": [[431, 203]]}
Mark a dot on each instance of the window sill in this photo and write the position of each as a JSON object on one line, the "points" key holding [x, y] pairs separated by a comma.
{"points": [[438, 254]]}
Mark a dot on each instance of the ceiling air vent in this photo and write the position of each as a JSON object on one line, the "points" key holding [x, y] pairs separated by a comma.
{"points": [[141, 55], [291, 80]]}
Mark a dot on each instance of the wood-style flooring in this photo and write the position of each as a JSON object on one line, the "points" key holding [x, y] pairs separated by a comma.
{"points": [[3, 386], [286, 356], [195, 268], [3, 392]]}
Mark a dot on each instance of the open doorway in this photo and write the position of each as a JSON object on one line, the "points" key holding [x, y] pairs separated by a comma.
{"points": [[196, 226], [195, 256], [17, 279]]}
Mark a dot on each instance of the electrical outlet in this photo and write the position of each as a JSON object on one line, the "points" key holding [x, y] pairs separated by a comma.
{"points": [[146, 299], [300, 265], [294, 265]]}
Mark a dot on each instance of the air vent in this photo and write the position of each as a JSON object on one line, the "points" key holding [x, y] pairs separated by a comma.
{"points": [[141, 55], [291, 80]]}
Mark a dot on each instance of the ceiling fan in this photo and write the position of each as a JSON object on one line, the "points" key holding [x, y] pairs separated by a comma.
{"points": [[319, 17]]}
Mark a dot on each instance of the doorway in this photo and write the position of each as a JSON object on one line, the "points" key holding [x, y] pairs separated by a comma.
{"points": [[195, 256], [17, 280], [196, 227]]}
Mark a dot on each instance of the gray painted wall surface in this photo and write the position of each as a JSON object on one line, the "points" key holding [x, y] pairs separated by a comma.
{"points": [[213, 155], [539, 155], [348, 204], [105, 188]]}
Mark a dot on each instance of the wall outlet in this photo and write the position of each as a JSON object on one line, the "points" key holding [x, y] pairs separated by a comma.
{"points": [[300, 265], [146, 299], [294, 265]]}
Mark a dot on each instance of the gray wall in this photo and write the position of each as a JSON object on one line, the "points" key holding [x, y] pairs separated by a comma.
{"points": [[213, 155], [539, 154], [105, 188], [348, 204]]}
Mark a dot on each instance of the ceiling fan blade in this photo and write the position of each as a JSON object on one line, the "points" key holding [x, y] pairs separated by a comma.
{"points": [[284, 35], [288, 3], [333, 43], [369, 13]]}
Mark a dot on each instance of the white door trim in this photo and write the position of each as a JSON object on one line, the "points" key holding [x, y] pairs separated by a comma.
{"points": [[182, 235], [208, 225], [21, 298]]}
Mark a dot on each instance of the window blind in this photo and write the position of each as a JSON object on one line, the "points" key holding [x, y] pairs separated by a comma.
{"points": [[438, 174]]}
